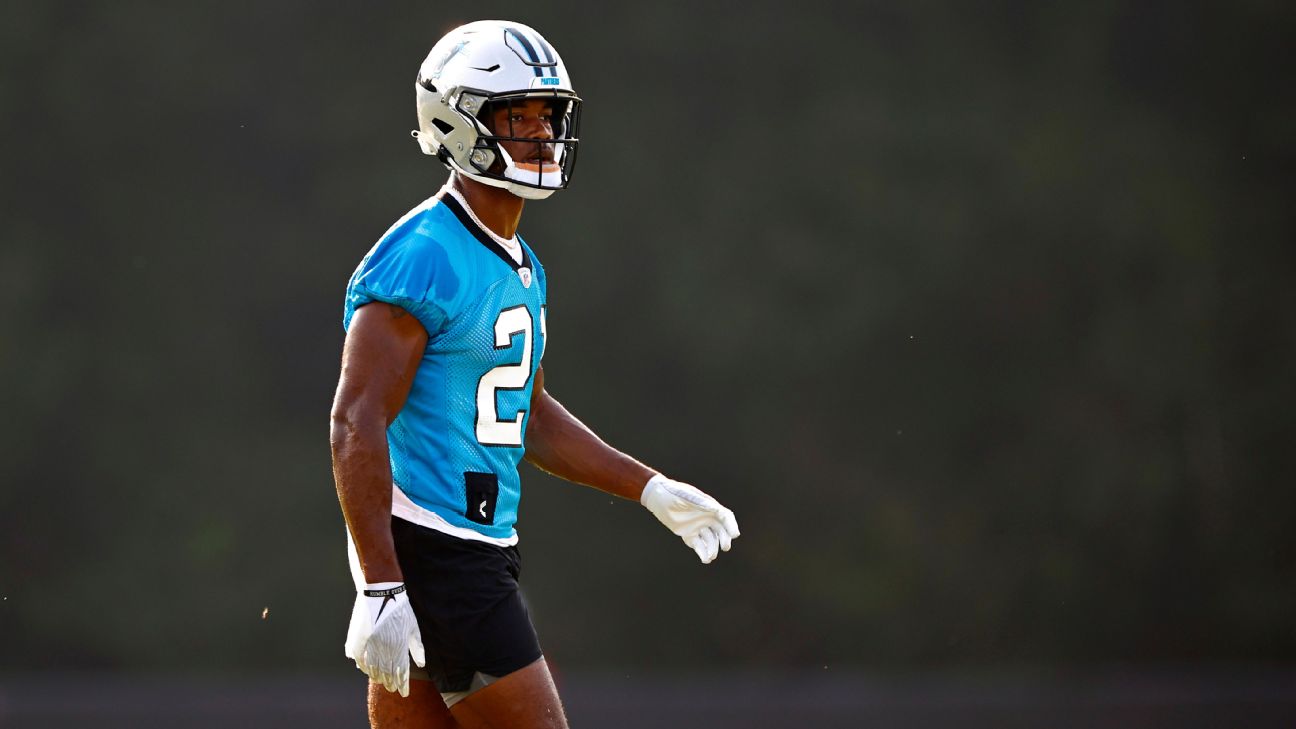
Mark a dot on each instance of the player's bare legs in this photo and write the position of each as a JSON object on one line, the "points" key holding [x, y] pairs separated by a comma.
{"points": [[524, 699], [422, 709]]}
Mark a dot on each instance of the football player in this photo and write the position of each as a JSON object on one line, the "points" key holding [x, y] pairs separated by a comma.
{"points": [[442, 394]]}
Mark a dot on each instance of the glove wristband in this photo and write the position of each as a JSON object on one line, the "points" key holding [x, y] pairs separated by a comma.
{"points": [[657, 481], [388, 592]]}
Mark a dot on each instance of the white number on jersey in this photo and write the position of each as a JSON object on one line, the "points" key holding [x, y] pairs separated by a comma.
{"points": [[490, 429]]}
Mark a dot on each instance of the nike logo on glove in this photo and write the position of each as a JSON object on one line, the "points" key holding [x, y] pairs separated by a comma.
{"points": [[387, 595]]}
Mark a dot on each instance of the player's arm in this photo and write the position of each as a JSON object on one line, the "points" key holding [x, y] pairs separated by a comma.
{"points": [[382, 351], [559, 443], [384, 345]]}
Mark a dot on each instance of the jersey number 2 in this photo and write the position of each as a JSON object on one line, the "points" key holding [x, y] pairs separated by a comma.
{"points": [[490, 429]]}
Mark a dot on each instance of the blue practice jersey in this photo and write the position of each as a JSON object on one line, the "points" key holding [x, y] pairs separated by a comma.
{"points": [[456, 444]]}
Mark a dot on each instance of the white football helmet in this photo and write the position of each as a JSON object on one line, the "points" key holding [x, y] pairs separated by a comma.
{"points": [[476, 67]]}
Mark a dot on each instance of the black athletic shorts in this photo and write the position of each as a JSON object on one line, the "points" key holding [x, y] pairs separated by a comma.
{"points": [[465, 597]]}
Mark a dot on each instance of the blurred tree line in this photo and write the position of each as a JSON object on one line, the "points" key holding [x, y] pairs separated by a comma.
{"points": [[980, 316]]}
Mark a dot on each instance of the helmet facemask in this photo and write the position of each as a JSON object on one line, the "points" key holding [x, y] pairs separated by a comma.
{"points": [[545, 164]]}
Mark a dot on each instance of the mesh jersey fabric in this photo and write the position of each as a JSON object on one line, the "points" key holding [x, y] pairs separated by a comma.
{"points": [[456, 443]]}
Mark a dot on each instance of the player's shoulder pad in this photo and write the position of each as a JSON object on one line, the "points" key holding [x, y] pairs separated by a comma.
{"points": [[413, 266], [416, 259]]}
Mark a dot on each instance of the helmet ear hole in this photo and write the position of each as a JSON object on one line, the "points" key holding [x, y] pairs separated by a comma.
{"points": [[443, 126]]}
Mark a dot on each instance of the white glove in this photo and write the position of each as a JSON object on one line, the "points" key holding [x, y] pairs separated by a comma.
{"points": [[383, 634], [704, 525]]}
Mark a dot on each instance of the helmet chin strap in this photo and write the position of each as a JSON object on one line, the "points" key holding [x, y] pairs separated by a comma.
{"points": [[529, 193], [525, 192], [550, 178]]}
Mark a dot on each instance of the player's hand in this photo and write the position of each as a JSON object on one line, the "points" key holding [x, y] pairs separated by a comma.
{"points": [[384, 634], [704, 525]]}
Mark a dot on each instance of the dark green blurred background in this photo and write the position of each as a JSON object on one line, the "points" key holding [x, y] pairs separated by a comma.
{"points": [[979, 315]]}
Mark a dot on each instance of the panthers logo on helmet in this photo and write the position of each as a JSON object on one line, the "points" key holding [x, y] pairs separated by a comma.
{"points": [[436, 72]]}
